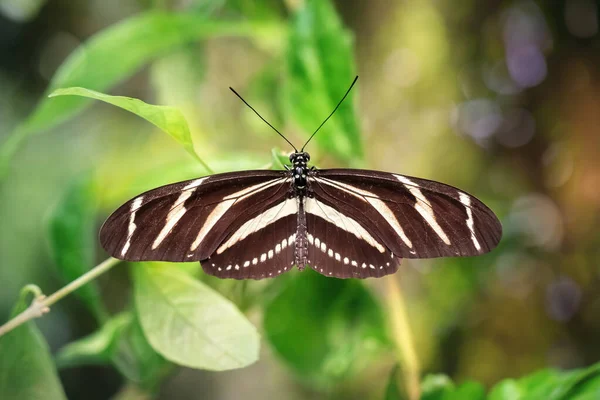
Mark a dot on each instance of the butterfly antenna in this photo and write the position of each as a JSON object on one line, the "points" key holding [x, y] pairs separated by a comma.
{"points": [[334, 110], [266, 122]]}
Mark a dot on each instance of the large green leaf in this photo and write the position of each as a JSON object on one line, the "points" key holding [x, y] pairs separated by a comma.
{"points": [[320, 68], [121, 342], [26, 367], [169, 119], [189, 323], [114, 54], [136, 359], [72, 237], [96, 348], [324, 328]]}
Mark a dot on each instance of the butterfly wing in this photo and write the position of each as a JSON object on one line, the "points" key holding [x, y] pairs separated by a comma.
{"points": [[341, 246], [410, 217], [188, 221], [262, 247]]}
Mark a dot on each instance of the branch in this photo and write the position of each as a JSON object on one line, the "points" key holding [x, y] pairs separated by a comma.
{"points": [[403, 338], [41, 304]]}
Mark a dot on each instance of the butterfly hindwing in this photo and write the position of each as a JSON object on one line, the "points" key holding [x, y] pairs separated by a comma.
{"points": [[342, 247], [262, 247]]}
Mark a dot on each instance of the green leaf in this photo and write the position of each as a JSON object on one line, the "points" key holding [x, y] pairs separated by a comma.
{"points": [[507, 390], [116, 53], [96, 348], [550, 385], [440, 387], [468, 390], [168, 119], [324, 328], [137, 360], [320, 68], [120, 342], [72, 237], [435, 387], [26, 367], [189, 323]]}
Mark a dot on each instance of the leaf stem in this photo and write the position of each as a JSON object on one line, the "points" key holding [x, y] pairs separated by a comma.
{"points": [[403, 338], [41, 304]]}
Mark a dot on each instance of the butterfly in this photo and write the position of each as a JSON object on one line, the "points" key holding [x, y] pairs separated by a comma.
{"points": [[343, 223]]}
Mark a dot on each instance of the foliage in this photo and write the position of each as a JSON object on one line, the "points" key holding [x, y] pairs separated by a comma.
{"points": [[190, 324], [547, 384], [169, 119], [26, 367], [73, 240], [326, 332], [335, 325]]}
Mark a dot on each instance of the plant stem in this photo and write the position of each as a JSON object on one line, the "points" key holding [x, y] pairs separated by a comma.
{"points": [[41, 304], [403, 338]]}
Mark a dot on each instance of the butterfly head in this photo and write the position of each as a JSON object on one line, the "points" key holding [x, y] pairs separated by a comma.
{"points": [[299, 158]]}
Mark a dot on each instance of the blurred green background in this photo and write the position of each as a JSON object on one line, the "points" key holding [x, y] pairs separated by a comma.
{"points": [[499, 98]]}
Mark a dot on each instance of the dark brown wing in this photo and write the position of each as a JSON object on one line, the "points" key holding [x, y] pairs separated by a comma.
{"points": [[341, 246], [412, 217], [262, 247], [188, 221]]}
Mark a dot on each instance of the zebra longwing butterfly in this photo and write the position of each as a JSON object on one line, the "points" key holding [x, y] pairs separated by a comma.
{"points": [[344, 223]]}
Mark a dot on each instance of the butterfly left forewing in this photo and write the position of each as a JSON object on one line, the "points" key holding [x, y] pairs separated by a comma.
{"points": [[187, 221]]}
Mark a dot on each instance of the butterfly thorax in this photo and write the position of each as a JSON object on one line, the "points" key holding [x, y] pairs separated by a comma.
{"points": [[300, 171]]}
